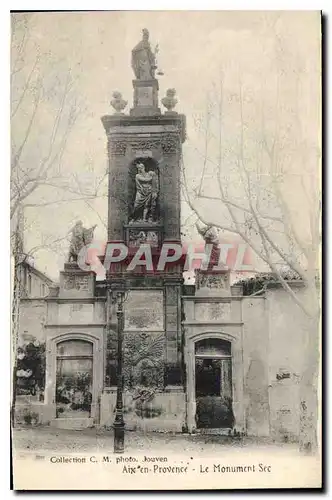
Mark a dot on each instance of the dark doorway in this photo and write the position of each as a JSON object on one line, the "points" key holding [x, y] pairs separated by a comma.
{"points": [[207, 377], [213, 380]]}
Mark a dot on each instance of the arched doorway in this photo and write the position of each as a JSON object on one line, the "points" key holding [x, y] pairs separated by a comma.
{"points": [[213, 384], [230, 352]]}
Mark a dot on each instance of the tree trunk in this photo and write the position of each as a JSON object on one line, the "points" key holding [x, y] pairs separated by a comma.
{"points": [[310, 379], [14, 389]]}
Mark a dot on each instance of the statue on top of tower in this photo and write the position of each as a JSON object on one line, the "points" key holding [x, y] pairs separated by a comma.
{"points": [[143, 60]]}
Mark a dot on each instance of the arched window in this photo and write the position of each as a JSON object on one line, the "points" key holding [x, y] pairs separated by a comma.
{"points": [[74, 378], [212, 347]]}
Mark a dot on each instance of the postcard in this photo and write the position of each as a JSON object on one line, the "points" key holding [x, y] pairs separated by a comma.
{"points": [[166, 250]]}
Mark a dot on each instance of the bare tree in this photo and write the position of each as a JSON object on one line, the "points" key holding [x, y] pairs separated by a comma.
{"points": [[30, 96], [265, 166], [44, 111]]}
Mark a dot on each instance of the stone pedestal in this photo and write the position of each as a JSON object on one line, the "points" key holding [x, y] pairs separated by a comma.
{"points": [[75, 283], [145, 98]]}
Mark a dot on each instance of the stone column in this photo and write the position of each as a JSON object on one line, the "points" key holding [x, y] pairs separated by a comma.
{"points": [[237, 382], [190, 382], [170, 186], [117, 187], [173, 333]]}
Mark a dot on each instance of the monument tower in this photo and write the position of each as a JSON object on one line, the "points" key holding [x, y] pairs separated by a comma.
{"points": [[144, 152]]}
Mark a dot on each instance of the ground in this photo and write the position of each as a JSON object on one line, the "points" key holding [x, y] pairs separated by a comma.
{"points": [[88, 440], [84, 460]]}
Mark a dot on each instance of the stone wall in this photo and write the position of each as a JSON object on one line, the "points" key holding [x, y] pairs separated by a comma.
{"points": [[164, 412], [32, 319], [30, 411], [287, 328], [35, 287], [268, 338], [255, 365]]}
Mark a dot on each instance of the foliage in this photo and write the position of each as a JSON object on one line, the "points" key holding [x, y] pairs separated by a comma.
{"points": [[30, 418], [74, 391], [31, 367], [258, 283]]}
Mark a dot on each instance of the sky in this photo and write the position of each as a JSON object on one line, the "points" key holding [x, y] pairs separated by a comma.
{"points": [[201, 54]]}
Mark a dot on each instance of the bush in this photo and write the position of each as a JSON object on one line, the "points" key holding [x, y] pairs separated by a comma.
{"points": [[31, 361], [31, 418]]}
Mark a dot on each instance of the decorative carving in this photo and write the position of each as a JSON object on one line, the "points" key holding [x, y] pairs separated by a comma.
{"points": [[144, 312], [170, 101], [213, 281], [170, 144], [144, 96], [147, 189], [76, 282], [138, 236], [117, 147], [118, 103], [145, 145], [143, 60], [144, 360], [171, 295], [80, 238]]}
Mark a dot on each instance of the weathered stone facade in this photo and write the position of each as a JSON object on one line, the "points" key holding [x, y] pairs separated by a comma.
{"points": [[266, 359], [172, 339]]}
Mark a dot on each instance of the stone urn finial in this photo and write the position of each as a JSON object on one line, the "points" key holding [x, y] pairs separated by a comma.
{"points": [[170, 101], [118, 103]]}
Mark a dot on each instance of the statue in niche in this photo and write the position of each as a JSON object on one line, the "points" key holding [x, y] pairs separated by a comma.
{"points": [[147, 189], [143, 60], [80, 237]]}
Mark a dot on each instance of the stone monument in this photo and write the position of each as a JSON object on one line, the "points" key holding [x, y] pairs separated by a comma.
{"points": [[74, 282], [144, 152], [143, 62]]}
